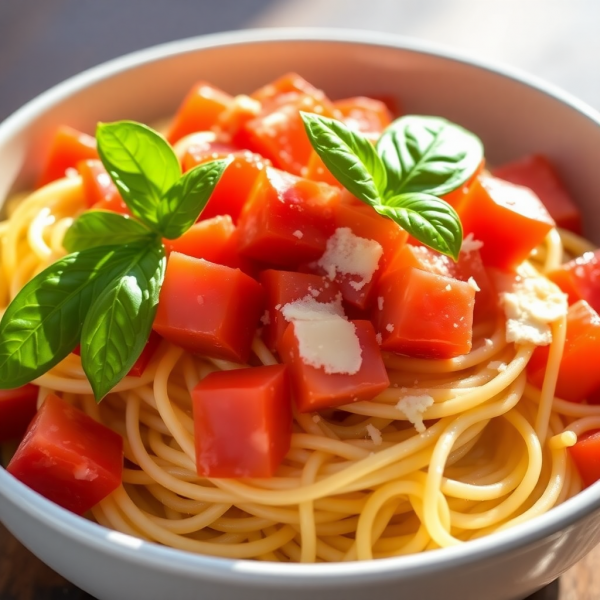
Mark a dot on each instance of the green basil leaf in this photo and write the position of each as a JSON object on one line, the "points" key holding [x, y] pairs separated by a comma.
{"points": [[427, 218], [349, 155], [103, 228], [43, 323], [119, 321], [181, 206], [141, 163], [428, 154]]}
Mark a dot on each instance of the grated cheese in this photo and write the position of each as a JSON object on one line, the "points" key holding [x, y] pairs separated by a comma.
{"points": [[380, 302], [349, 254], [266, 318], [298, 234], [530, 307], [378, 339], [374, 434], [413, 408], [470, 244], [473, 284], [389, 327]]}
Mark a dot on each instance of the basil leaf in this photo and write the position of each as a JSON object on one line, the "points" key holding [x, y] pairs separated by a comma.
{"points": [[141, 163], [182, 204], [349, 155], [428, 154], [103, 228], [43, 323], [427, 218], [119, 321]]}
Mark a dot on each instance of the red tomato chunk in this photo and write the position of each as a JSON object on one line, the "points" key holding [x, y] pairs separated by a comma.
{"points": [[68, 457], [366, 115], [98, 188], [208, 309], [17, 407], [580, 279], [316, 390], [510, 220], [424, 314], [68, 147], [282, 287], [286, 84], [199, 111], [242, 422], [586, 456], [537, 173], [287, 220], [578, 375]]}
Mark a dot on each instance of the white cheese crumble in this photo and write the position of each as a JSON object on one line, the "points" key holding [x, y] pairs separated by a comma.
{"points": [[488, 342], [266, 318], [325, 338], [374, 434], [470, 244], [298, 234], [532, 305], [349, 254], [389, 327], [448, 288], [413, 408], [378, 339], [473, 284], [497, 365], [380, 302]]}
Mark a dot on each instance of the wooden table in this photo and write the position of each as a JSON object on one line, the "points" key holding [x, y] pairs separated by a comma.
{"points": [[24, 577]]}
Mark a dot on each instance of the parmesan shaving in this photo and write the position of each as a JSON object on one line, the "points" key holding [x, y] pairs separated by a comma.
{"points": [[470, 244], [349, 254], [530, 308], [473, 284], [413, 408]]}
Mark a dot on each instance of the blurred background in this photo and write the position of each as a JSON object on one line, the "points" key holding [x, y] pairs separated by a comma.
{"points": [[43, 42]]}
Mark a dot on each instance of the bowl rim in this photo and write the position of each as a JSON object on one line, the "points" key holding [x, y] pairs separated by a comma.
{"points": [[265, 574]]}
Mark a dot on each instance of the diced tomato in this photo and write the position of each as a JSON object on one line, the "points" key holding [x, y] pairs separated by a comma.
{"points": [[17, 407], [578, 375], [365, 223], [586, 456], [214, 240], [199, 111], [423, 314], [580, 279], [235, 185], [363, 114], [316, 390], [208, 309], [510, 220], [145, 357], [286, 84], [282, 287], [287, 220], [68, 457], [98, 188], [202, 146], [456, 197], [537, 173], [469, 265], [278, 133], [68, 147], [242, 422], [233, 119], [317, 171]]}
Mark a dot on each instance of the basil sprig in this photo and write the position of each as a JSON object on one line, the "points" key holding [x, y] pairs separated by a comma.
{"points": [[416, 160], [104, 295]]}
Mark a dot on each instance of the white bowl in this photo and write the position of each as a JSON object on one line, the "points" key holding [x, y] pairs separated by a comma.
{"points": [[513, 114]]}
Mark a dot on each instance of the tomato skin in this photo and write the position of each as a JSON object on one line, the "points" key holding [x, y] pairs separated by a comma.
{"points": [[68, 457], [367, 115], [98, 188], [235, 185], [456, 197], [282, 287], [586, 456], [578, 374], [278, 133], [242, 422], [199, 110], [537, 173], [17, 407], [580, 279], [68, 147], [317, 171], [510, 221], [287, 220], [214, 240], [425, 315], [208, 309], [316, 390]]}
